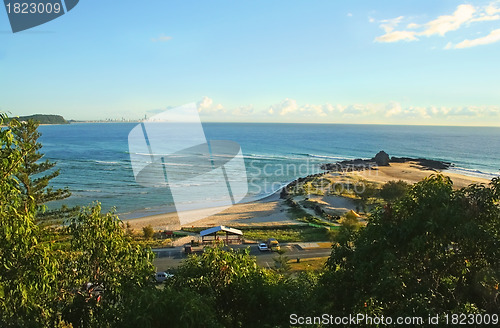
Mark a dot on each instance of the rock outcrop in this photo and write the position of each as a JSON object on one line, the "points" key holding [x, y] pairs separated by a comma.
{"points": [[382, 158]]}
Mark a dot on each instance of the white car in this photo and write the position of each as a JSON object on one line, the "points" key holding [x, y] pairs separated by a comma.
{"points": [[263, 247], [162, 276]]}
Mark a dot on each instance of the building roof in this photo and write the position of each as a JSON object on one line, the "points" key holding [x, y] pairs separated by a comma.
{"points": [[220, 228]]}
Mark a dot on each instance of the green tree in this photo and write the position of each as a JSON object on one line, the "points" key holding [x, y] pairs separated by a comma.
{"points": [[105, 268], [91, 281], [33, 184], [241, 293], [34, 175], [393, 190], [27, 272], [365, 190], [148, 231], [433, 251], [281, 262]]}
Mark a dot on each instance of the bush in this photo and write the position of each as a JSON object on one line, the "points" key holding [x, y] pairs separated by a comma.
{"points": [[394, 190], [148, 232], [433, 251]]}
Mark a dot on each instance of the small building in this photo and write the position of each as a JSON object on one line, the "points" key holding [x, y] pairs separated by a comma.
{"points": [[233, 236]]}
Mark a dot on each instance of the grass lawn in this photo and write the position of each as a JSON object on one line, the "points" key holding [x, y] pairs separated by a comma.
{"points": [[312, 264], [292, 234], [284, 233]]}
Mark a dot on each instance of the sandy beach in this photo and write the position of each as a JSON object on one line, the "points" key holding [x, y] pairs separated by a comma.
{"points": [[267, 211], [272, 210], [412, 172]]}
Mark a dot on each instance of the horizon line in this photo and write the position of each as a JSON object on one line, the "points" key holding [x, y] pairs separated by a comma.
{"points": [[297, 123]]}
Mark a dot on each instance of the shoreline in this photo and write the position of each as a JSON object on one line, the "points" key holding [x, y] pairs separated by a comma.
{"points": [[169, 220], [170, 209], [271, 210]]}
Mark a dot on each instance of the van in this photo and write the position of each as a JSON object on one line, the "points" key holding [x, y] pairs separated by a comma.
{"points": [[273, 244]]}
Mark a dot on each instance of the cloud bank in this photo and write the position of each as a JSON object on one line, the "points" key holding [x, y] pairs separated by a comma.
{"points": [[289, 110]]}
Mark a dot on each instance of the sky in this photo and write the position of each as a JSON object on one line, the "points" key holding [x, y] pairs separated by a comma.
{"points": [[362, 62]]}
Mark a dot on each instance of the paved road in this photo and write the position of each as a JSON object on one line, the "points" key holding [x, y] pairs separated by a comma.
{"points": [[168, 258]]}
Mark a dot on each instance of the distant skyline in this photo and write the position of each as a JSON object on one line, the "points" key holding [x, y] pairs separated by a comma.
{"points": [[360, 62]]}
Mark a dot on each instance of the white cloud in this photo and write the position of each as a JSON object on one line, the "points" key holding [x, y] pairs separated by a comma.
{"points": [[206, 106], [204, 103], [285, 107], [447, 23], [360, 110], [492, 8], [419, 112], [162, 38], [349, 14], [393, 108], [493, 37], [474, 111], [316, 110], [388, 25], [244, 110], [464, 15], [485, 18], [289, 110], [397, 36]]}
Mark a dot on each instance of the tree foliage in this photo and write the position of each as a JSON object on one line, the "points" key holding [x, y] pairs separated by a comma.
{"points": [[434, 251], [34, 175], [32, 184], [26, 268], [393, 190], [148, 232], [41, 286], [242, 293], [104, 268], [365, 190]]}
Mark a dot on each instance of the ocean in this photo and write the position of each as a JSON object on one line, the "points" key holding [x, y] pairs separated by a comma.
{"points": [[94, 159]]}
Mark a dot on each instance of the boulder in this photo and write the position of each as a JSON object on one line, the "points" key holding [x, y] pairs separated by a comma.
{"points": [[382, 158]]}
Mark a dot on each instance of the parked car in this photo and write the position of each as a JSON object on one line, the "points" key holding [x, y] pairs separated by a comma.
{"points": [[263, 247], [273, 244], [162, 276]]}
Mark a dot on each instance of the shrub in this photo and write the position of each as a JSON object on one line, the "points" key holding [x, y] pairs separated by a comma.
{"points": [[148, 232]]}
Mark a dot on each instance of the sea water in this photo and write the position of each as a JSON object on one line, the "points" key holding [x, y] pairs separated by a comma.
{"points": [[94, 161]]}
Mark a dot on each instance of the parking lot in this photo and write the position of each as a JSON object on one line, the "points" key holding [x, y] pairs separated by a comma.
{"points": [[169, 258]]}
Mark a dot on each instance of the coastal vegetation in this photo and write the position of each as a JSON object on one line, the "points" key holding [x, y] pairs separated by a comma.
{"points": [[428, 250], [34, 174], [41, 119], [393, 190], [283, 233]]}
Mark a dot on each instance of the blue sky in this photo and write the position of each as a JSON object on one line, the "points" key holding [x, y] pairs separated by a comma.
{"points": [[384, 62]]}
